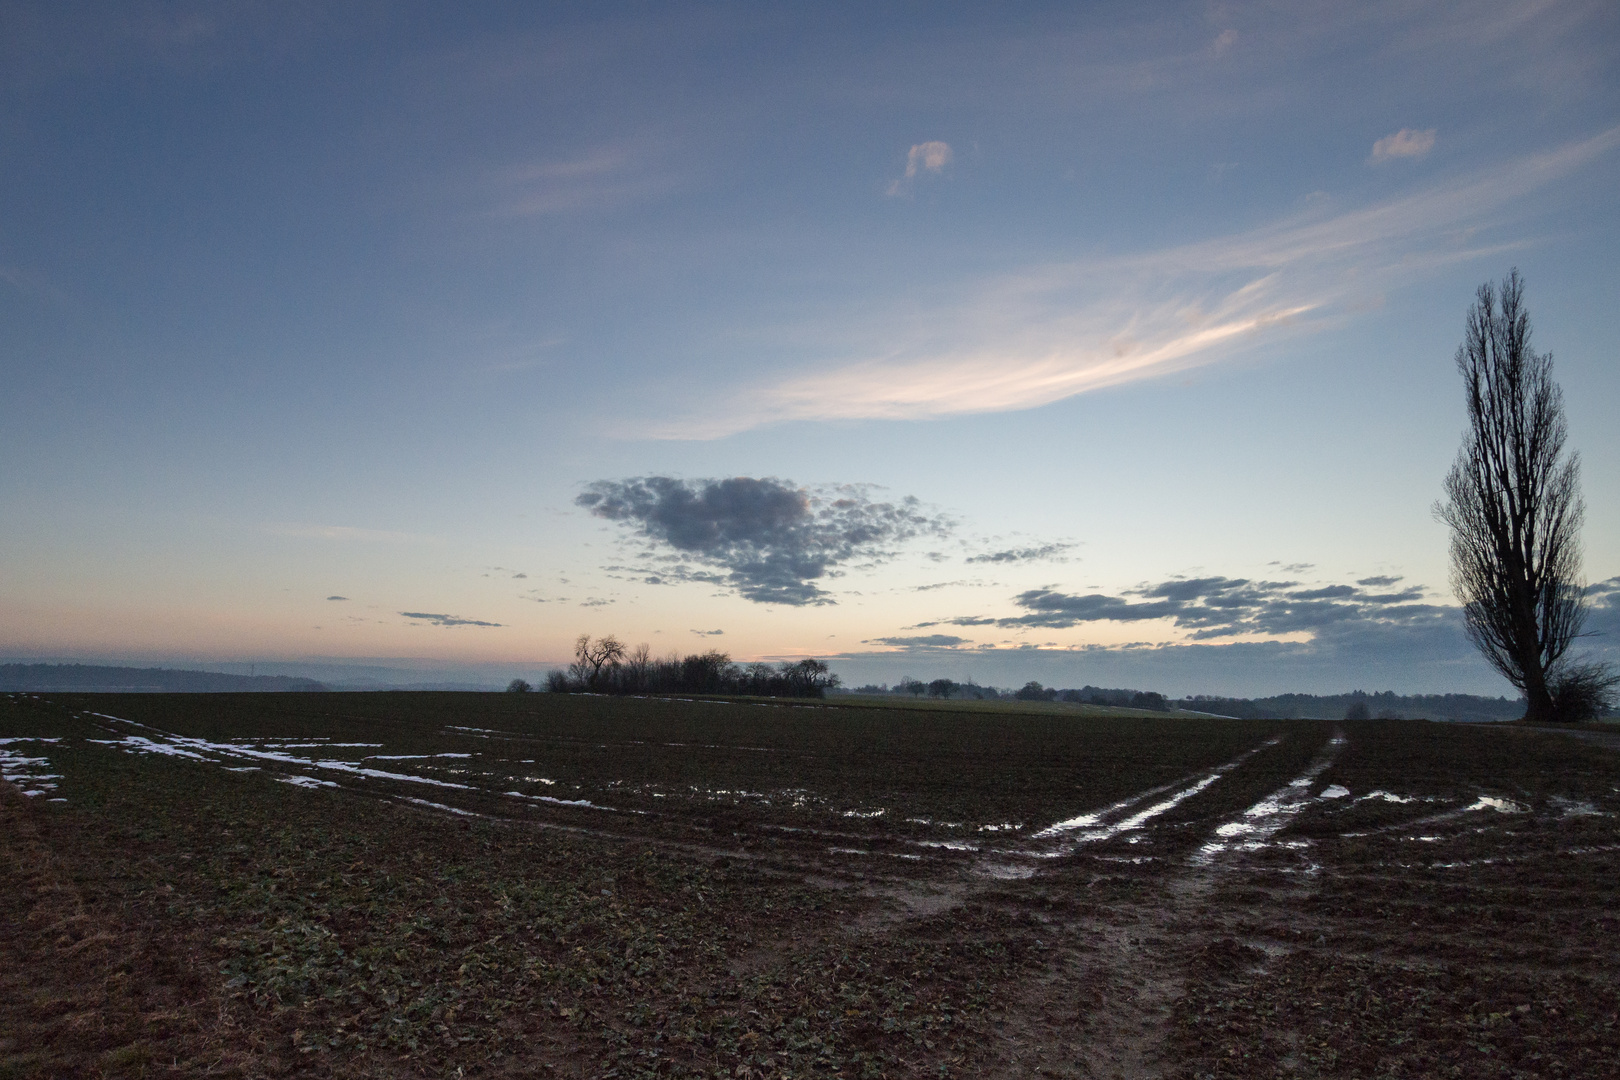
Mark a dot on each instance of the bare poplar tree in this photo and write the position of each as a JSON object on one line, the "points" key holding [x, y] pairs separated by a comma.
{"points": [[1514, 507]]}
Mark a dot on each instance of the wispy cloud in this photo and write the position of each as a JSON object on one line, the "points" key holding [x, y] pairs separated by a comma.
{"points": [[1405, 143], [922, 641], [927, 157], [1054, 552], [445, 620], [1053, 331], [601, 178]]}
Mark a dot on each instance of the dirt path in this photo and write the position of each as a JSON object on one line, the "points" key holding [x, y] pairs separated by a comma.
{"points": [[1108, 1010]]}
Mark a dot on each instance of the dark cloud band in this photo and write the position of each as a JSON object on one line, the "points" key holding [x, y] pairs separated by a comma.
{"points": [[1217, 607]]}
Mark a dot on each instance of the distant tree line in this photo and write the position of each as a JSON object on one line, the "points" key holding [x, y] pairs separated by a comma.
{"points": [[1120, 699], [1357, 704], [605, 665], [1030, 691], [95, 678], [939, 688]]}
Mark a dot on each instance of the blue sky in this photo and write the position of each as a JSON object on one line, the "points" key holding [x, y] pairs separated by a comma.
{"points": [[995, 305]]}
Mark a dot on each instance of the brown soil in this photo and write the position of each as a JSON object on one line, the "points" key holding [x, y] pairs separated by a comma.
{"points": [[1451, 915]]}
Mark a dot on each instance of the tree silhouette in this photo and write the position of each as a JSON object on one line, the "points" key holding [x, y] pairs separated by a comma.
{"points": [[1514, 507], [605, 666], [590, 657]]}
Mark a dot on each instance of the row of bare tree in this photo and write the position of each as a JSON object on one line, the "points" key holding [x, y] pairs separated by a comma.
{"points": [[605, 665]]}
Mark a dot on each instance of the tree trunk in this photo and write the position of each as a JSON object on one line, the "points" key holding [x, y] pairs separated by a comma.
{"points": [[1538, 702]]}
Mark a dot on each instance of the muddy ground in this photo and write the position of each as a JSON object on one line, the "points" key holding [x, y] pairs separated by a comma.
{"points": [[452, 884]]}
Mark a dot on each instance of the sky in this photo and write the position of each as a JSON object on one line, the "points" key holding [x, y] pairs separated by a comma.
{"points": [[1086, 343]]}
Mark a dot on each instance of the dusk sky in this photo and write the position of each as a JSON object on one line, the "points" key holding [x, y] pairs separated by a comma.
{"points": [[1086, 343]]}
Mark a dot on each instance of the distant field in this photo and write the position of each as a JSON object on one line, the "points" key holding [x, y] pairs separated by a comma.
{"points": [[999, 707], [420, 883]]}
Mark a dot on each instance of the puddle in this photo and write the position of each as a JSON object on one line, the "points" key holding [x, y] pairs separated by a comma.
{"points": [[1142, 817], [1260, 822], [286, 744], [440, 806], [402, 757], [1004, 871], [861, 851], [1095, 826], [1574, 807], [1096, 817], [549, 800]]}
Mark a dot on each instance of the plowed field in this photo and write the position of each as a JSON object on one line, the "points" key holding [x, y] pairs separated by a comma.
{"points": [[483, 884]]}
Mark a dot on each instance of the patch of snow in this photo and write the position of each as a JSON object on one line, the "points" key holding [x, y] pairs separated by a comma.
{"points": [[27, 772], [1501, 806], [441, 806], [139, 744], [306, 781]]}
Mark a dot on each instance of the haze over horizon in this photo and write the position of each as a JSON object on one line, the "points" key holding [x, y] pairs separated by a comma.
{"points": [[1077, 344]]}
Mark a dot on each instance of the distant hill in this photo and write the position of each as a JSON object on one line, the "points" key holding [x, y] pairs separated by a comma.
{"points": [[88, 678]]}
